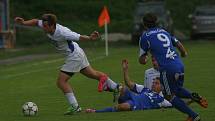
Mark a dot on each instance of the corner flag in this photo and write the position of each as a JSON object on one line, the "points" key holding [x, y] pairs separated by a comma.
{"points": [[103, 20], [104, 17]]}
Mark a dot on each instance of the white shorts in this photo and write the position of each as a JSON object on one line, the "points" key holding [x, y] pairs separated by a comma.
{"points": [[75, 61]]}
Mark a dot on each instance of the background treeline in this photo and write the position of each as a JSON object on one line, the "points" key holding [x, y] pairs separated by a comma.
{"points": [[81, 15]]}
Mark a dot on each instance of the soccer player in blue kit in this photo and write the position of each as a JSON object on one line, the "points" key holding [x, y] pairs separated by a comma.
{"points": [[135, 96], [161, 44]]}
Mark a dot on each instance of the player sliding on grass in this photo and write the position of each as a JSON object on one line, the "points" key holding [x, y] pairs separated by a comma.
{"points": [[75, 59], [160, 43], [137, 97]]}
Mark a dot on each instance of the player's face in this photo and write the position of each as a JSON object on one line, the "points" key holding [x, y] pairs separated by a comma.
{"points": [[156, 86], [154, 63], [47, 28]]}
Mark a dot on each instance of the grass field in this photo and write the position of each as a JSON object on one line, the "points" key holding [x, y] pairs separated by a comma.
{"points": [[35, 81]]}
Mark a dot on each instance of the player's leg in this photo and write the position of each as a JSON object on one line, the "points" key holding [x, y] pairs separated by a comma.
{"points": [[194, 97], [117, 108], [62, 83], [200, 100], [125, 103], [124, 95], [105, 83], [168, 81], [184, 93], [178, 86], [108, 109], [123, 107]]}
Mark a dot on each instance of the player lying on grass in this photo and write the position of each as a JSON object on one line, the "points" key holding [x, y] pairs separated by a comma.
{"points": [[75, 59], [135, 96]]}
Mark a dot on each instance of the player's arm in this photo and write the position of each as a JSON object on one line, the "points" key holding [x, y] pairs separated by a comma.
{"points": [[93, 36], [31, 22], [130, 84], [180, 46], [144, 47], [73, 36]]}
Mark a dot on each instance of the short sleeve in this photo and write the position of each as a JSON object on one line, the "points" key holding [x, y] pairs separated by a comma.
{"points": [[144, 45], [165, 104], [70, 35], [174, 40], [137, 88]]}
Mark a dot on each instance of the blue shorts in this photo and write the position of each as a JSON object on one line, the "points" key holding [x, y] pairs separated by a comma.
{"points": [[172, 79], [129, 97]]}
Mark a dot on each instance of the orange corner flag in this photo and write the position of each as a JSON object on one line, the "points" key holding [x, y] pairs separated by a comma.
{"points": [[104, 17]]}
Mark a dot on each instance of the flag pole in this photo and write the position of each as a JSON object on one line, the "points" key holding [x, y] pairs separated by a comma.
{"points": [[106, 38]]}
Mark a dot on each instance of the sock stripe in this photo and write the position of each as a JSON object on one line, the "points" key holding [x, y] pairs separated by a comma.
{"points": [[166, 85], [197, 118]]}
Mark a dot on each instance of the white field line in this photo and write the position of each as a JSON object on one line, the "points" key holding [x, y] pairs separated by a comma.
{"points": [[45, 69]]}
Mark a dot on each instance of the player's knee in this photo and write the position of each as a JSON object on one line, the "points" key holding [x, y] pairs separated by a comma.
{"points": [[60, 83], [123, 107], [122, 90]]}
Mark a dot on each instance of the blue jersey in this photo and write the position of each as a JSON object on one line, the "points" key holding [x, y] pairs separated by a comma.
{"points": [[161, 45], [146, 99]]}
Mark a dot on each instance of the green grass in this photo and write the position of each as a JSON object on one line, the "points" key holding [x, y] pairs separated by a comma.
{"points": [[35, 81]]}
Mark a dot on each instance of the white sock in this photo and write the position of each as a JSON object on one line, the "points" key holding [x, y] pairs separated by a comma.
{"points": [[111, 84], [71, 98]]}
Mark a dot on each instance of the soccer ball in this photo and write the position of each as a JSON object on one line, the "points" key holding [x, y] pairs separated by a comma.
{"points": [[29, 109]]}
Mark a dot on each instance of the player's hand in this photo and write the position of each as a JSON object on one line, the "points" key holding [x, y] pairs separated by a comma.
{"points": [[184, 54], [143, 59], [95, 35], [125, 64], [19, 20]]}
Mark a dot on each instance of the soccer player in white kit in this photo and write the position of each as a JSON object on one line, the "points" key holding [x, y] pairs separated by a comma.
{"points": [[151, 73], [75, 59]]}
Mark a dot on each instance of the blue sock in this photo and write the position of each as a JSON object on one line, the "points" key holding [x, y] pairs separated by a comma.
{"points": [[183, 93], [181, 106], [109, 109]]}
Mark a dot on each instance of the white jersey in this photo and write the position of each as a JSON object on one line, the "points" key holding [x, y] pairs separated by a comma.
{"points": [[150, 74], [63, 39]]}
